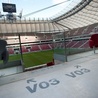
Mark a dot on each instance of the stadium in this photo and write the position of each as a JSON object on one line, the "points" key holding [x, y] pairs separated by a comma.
{"points": [[54, 57]]}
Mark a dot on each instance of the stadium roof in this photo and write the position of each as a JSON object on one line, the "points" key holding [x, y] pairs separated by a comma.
{"points": [[84, 14]]}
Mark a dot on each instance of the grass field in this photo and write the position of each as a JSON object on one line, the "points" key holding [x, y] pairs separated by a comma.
{"points": [[42, 57], [34, 58]]}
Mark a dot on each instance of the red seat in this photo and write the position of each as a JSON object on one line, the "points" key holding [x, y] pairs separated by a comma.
{"points": [[93, 41], [50, 63]]}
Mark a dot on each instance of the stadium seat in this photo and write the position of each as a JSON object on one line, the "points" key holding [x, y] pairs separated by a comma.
{"points": [[93, 41], [50, 63], [4, 55]]}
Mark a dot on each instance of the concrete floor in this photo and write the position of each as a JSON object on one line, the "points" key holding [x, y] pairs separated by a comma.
{"points": [[75, 79]]}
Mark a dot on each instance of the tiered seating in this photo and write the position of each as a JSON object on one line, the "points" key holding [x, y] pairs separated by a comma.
{"points": [[41, 36], [95, 28], [76, 31], [28, 39], [79, 32], [70, 44], [24, 49], [89, 29], [85, 45], [77, 44], [45, 47], [35, 48], [56, 45], [71, 33], [48, 36], [86, 30], [51, 45], [10, 50]]}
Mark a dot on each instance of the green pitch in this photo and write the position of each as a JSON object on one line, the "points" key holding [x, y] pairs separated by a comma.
{"points": [[34, 58], [42, 57]]}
